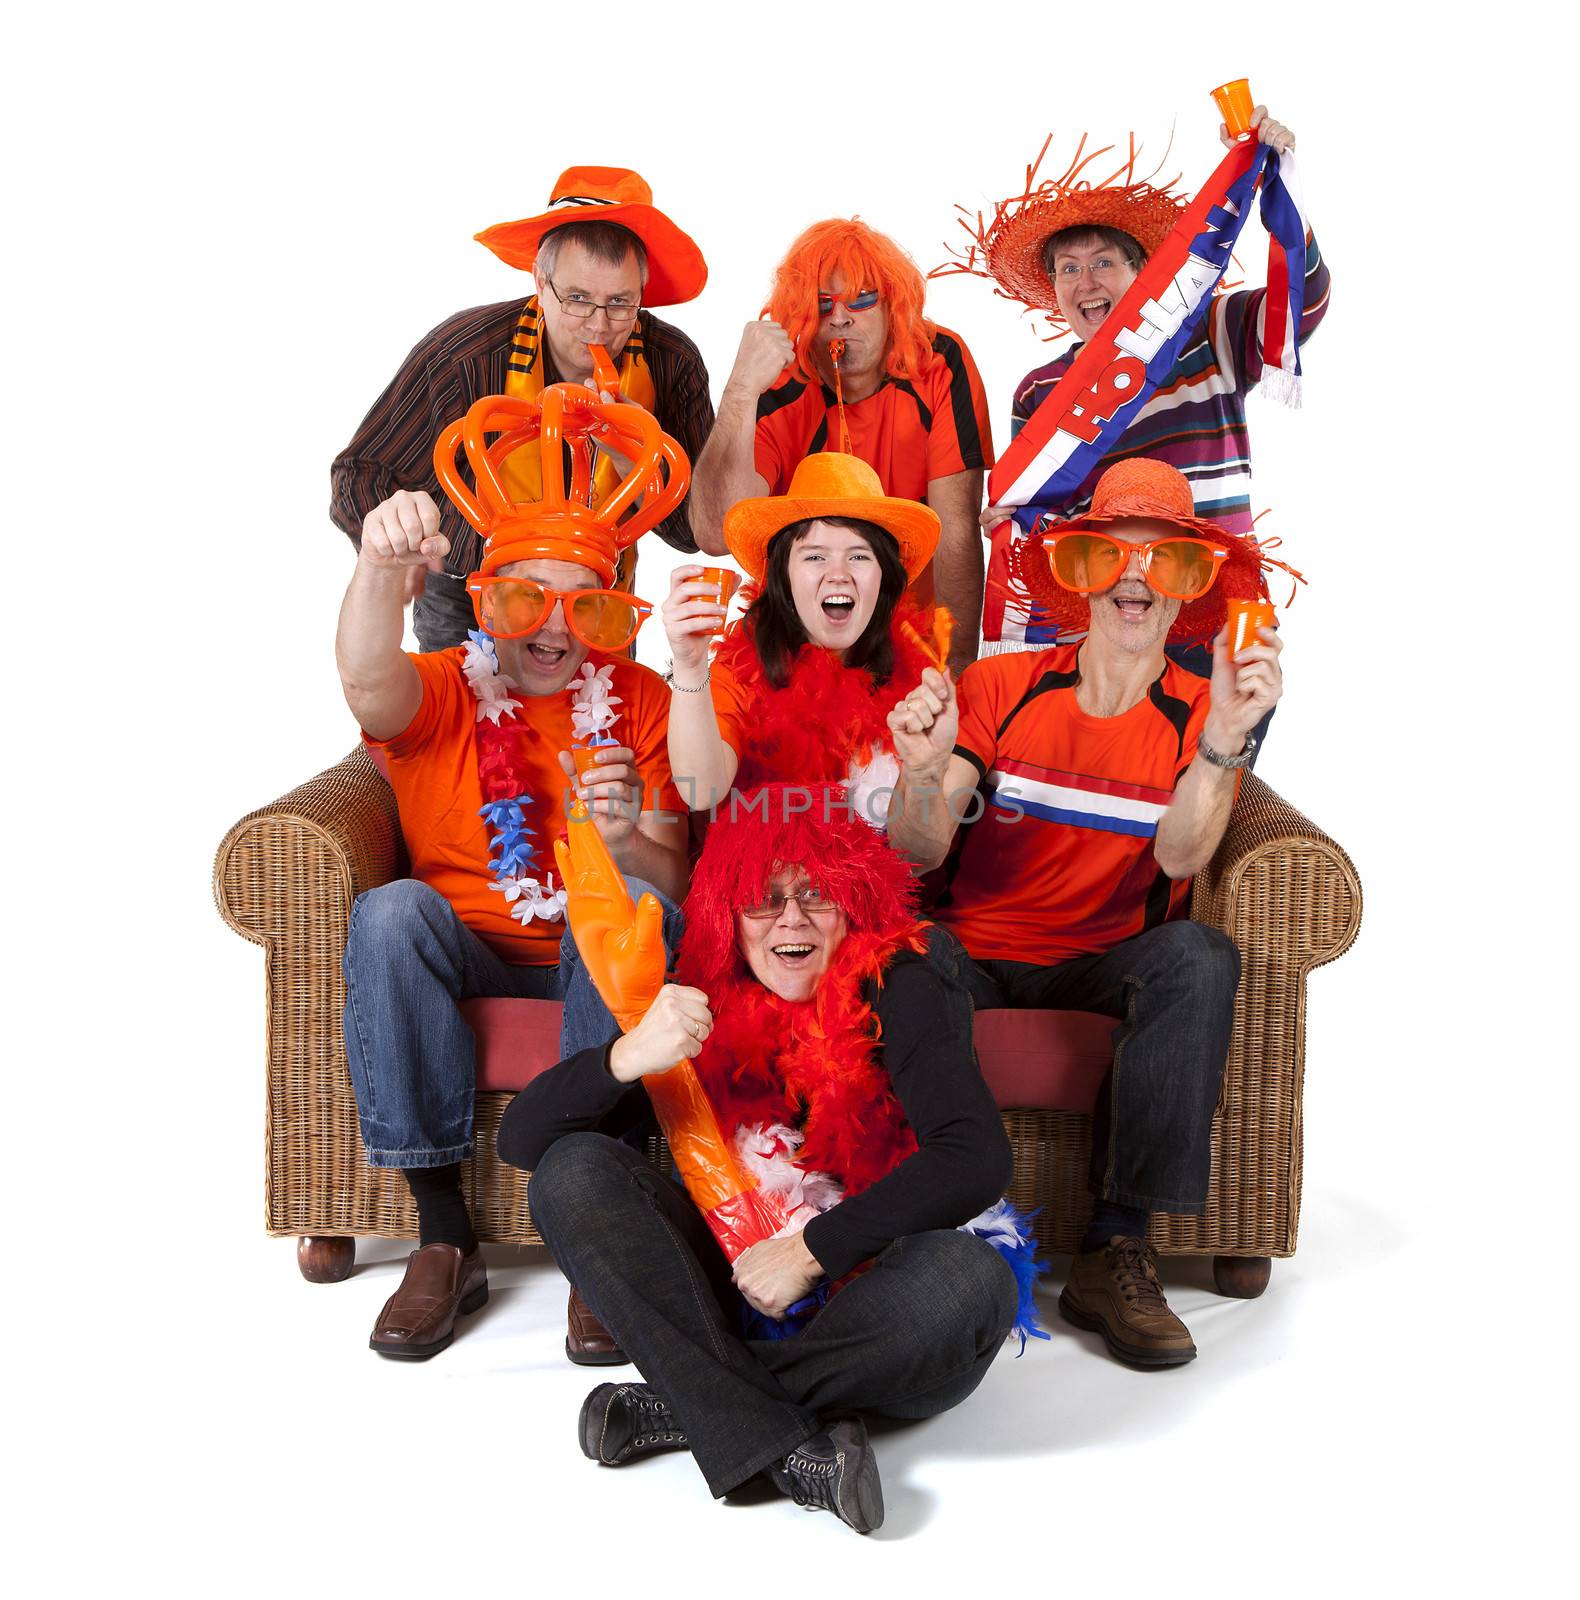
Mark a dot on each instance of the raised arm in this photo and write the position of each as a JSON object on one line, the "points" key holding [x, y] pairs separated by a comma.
{"points": [[704, 766], [1243, 691], [380, 683], [726, 471], [936, 784]]}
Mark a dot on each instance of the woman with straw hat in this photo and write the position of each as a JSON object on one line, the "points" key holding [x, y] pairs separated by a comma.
{"points": [[801, 688]]}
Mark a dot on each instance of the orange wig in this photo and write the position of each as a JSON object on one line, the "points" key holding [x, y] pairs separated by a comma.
{"points": [[863, 259]]}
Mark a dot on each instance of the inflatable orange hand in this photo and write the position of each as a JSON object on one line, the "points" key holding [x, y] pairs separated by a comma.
{"points": [[621, 943]]}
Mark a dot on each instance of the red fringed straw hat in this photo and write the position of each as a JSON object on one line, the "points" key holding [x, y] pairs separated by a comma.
{"points": [[562, 526], [1008, 248], [1147, 491]]}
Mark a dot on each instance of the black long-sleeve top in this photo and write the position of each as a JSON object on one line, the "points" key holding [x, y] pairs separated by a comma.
{"points": [[962, 1163]]}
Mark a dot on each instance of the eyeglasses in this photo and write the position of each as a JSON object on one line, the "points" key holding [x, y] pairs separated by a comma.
{"points": [[810, 899], [514, 608], [1103, 267], [581, 306], [1182, 568], [864, 301]]}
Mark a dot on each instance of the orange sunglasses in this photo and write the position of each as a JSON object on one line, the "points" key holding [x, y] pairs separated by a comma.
{"points": [[1180, 567], [514, 608]]}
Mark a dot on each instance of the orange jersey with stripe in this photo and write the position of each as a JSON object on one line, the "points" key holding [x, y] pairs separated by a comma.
{"points": [[908, 433], [1058, 862], [432, 767]]}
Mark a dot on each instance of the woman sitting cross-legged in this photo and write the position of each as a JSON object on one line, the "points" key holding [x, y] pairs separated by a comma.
{"points": [[839, 1062], [801, 688]]}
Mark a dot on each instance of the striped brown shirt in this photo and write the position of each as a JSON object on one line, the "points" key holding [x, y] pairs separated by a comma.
{"points": [[460, 362]]}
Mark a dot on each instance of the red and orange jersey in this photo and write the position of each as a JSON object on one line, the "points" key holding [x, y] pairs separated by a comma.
{"points": [[1058, 862]]}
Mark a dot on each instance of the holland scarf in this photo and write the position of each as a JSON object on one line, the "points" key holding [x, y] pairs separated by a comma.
{"points": [[1120, 367]]}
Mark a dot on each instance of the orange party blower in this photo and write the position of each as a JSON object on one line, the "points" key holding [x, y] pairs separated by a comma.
{"points": [[1235, 106], [1245, 617], [604, 373], [622, 947]]}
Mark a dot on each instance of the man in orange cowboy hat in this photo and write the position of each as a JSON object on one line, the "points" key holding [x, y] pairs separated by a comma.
{"points": [[476, 744], [1089, 782], [845, 359], [601, 256]]}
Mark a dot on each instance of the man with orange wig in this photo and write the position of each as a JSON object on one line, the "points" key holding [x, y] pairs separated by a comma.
{"points": [[844, 358]]}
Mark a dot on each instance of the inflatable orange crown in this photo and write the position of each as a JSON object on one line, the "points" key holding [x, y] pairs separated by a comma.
{"points": [[562, 526]]}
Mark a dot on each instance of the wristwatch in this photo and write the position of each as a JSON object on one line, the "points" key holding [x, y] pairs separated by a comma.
{"points": [[1228, 763]]}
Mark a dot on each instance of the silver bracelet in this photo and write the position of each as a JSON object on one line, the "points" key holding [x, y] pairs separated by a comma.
{"points": [[692, 688], [1228, 763]]}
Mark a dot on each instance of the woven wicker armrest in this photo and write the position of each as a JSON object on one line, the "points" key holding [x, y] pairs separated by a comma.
{"points": [[1278, 885], [311, 853], [285, 877]]}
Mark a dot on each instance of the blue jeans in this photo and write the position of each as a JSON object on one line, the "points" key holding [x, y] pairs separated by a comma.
{"points": [[409, 961]]}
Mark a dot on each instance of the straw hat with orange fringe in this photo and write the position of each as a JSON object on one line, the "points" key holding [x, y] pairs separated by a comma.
{"points": [[1008, 248]]}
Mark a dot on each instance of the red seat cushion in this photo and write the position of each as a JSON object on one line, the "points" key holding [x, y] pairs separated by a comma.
{"points": [[1035, 1060]]}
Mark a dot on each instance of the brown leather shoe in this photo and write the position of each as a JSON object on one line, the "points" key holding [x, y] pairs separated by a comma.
{"points": [[441, 1284], [587, 1342], [1115, 1292]]}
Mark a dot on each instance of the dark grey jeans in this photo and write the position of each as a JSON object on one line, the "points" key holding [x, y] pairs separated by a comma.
{"points": [[909, 1338], [1172, 989], [442, 614]]}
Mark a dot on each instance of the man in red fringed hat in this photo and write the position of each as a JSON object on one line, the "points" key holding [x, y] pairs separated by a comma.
{"points": [[601, 256], [476, 744], [903, 395], [1069, 795]]}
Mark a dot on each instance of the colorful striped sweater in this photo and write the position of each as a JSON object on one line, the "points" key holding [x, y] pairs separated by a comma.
{"points": [[1196, 419]]}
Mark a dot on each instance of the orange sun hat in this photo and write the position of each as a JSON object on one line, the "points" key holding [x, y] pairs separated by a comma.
{"points": [[1008, 247], [829, 484], [1143, 490], [676, 271]]}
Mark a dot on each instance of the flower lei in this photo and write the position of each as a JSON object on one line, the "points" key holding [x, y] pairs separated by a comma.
{"points": [[512, 858]]}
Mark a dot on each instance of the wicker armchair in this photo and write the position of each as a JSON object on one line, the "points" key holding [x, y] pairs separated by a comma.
{"points": [[285, 877]]}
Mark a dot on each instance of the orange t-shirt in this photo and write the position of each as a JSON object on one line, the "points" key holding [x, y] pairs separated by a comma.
{"points": [[1059, 862], [907, 433], [432, 767]]}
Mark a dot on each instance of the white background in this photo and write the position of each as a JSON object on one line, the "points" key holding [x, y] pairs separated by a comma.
{"points": [[225, 229]]}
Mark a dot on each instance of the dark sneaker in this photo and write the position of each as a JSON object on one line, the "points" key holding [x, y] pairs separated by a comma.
{"points": [[835, 1471], [621, 1421], [1115, 1292]]}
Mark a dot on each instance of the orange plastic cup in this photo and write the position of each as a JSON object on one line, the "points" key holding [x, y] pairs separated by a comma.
{"points": [[585, 757], [1235, 105], [724, 579], [1245, 617]]}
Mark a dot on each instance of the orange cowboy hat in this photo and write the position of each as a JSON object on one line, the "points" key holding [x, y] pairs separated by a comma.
{"points": [[1143, 490], [1008, 247], [830, 485], [676, 271]]}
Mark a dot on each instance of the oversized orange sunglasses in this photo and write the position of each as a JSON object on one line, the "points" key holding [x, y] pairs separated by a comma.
{"points": [[1180, 567], [514, 608]]}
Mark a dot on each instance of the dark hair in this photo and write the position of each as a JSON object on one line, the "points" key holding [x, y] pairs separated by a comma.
{"points": [[776, 625], [607, 242], [1115, 238]]}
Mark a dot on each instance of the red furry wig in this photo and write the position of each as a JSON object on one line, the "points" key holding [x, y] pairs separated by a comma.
{"points": [[864, 259], [782, 825]]}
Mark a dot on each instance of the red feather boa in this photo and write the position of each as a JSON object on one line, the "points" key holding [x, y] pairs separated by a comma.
{"points": [[812, 1064], [828, 716]]}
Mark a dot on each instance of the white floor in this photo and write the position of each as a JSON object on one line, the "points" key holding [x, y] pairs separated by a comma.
{"points": [[1320, 1440]]}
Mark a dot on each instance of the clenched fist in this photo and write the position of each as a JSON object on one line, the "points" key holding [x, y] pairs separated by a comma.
{"points": [[403, 531], [675, 1028], [766, 350]]}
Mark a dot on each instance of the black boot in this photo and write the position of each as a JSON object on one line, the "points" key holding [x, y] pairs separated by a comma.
{"points": [[835, 1471]]}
